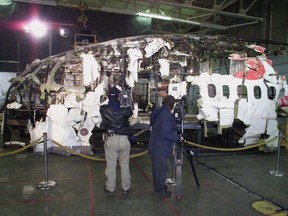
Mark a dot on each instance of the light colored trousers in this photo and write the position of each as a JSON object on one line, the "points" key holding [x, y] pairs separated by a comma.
{"points": [[117, 148]]}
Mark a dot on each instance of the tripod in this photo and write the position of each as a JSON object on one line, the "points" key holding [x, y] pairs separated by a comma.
{"points": [[177, 168], [179, 152]]}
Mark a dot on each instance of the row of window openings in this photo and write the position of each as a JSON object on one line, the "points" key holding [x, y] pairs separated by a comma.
{"points": [[241, 91]]}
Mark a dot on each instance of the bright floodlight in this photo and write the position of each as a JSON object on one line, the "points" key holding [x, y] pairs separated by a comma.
{"points": [[38, 28]]}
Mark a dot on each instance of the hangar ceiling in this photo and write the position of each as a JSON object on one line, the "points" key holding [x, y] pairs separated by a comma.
{"points": [[181, 16]]}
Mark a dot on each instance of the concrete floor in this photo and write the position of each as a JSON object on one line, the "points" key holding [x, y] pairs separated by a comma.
{"points": [[229, 184]]}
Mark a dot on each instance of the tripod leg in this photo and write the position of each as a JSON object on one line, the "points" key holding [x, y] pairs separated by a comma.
{"points": [[192, 166], [178, 180], [172, 179]]}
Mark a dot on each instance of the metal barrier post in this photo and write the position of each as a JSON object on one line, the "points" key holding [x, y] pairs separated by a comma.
{"points": [[276, 172], [46, 185]]}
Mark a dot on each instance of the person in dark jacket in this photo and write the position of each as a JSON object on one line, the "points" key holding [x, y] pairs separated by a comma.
{"points": [[115, 120], [163, 135]]}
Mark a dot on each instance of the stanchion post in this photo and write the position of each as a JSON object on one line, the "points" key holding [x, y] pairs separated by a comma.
{"points": [[45, 185], [276, 172]]}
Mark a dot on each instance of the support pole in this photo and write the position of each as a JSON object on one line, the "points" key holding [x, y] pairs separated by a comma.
{"points": [[46, 185], [276, 172]]}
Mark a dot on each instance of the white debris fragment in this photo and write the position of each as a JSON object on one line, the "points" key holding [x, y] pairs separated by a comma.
{"points": [[90, 69], [14, 105]]}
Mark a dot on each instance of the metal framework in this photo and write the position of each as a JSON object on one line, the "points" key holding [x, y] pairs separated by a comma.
{"points": [[183, 15]]}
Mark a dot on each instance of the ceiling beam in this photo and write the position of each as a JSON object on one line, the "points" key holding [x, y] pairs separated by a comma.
{"points": [[207, 10], [197, 23], [44, 2]]}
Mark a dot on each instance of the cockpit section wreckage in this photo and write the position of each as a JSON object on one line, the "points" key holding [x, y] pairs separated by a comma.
{"points": [[224, 82]]}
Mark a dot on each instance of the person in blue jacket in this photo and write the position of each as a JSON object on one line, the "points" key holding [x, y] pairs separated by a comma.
{"points": [[163, 135]]}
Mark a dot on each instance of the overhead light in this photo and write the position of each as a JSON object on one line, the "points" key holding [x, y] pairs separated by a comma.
{"points": [[6, 2], [162, 12], [156, 16], [44, 2], [143, 14]]}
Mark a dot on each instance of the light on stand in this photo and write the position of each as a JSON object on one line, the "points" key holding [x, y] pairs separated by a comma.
{"points": [[64, 32], [40, 29]]}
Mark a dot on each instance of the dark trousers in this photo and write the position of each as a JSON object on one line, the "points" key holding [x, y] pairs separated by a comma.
{"points": [[159, 172]]}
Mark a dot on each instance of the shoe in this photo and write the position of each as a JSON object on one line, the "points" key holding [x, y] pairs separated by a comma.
{"points": [[125, 192], [163, 193], [111, 193]]}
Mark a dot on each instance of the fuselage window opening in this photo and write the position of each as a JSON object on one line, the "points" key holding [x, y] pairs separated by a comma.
{"points": [[257, 92], [271, 92], [237, 65], [142, 95], [242, 91], [226, 91], [211, 90], [281, 93], [193, 95]]}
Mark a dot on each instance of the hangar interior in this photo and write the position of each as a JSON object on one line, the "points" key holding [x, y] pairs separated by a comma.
{"points": [[223, 173]]}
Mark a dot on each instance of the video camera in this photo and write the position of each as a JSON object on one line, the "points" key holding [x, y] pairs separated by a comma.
{"points": [[126, 99], [179, 113]]}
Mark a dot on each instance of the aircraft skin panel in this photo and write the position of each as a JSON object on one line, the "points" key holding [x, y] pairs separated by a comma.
{"points": [[251, 111]]}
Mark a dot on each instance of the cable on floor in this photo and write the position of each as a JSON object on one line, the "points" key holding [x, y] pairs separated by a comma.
{"points": [[241, 186]]}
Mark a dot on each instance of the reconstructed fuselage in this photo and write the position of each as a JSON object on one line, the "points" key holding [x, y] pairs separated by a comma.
{"points": [[223, 80]]}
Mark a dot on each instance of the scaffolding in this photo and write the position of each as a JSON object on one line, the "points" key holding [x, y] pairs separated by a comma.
{"points": [[84, 39]]}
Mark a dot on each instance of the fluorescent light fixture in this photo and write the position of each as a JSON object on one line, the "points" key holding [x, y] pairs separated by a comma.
{"points": [[162, 17], [6, 2], [154, 16], [44, 2]]}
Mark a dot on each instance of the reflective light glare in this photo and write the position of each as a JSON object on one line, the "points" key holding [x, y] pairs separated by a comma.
{"points": [[37, 28]]}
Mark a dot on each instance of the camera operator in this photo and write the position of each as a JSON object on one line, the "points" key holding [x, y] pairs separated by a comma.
{"points": [[163, 135], [115, 120]]}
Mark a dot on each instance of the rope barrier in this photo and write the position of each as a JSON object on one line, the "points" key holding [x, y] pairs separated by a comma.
{"points": [[71, 151], [20, 150], [231, 149], [90, 157], [140, 132]]}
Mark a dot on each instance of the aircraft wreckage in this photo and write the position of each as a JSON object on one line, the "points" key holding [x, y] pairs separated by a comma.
{"points": [[224, 81]]}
